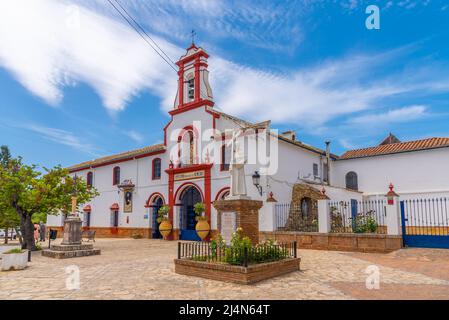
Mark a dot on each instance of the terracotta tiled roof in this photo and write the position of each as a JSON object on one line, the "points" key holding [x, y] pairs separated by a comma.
{"points": [[425, 144], [118, 157]]}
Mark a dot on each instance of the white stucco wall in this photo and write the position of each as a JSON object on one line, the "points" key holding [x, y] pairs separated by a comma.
{"points": [[414, 174]]}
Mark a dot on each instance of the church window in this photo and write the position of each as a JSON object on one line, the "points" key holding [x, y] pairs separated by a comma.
{"points": [[90, 179], [225, 155], [116, 176], [156, 168], [352, 181], [191, 88]]}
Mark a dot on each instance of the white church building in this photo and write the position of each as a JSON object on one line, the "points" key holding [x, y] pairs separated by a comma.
{"points": [[192, 165]]}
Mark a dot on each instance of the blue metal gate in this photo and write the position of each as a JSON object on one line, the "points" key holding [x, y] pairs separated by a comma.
{"points": [[425, 223]]}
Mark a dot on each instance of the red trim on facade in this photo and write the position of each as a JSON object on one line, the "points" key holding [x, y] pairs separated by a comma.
{"points": [[152, 169], [171, 182], [165, 131], [196, 167], [190, 106], [197, 79], [87, 208], [192, 57], [214, 117], [184, 186], [115, 207], [152, 197], [221, 191], [118, 161]]}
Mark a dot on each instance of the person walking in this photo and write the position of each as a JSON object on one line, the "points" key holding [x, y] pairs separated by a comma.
{"points": [[42, 231], [36, 232]]}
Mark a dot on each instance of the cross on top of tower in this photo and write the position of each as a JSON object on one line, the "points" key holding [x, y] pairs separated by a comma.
{"points": [[193, 34]]}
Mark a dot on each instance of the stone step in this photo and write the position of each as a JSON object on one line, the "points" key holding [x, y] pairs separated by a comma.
{"points": [[70, 254], [71, 247]]}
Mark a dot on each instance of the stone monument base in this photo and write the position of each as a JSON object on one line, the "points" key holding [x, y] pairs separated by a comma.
{"points": [[242, 213], [64, 251], [71, 246]]}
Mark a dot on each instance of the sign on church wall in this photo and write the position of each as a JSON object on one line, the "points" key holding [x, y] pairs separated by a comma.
{"points": [[128, 201], [189, 175]]}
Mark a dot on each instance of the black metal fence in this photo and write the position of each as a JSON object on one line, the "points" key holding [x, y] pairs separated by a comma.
{"points": [[366, 216], [426, 216], [292, 217], [241, 256]]}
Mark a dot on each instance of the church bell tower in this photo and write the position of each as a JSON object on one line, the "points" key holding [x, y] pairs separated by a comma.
{"points": [[193, 83]]}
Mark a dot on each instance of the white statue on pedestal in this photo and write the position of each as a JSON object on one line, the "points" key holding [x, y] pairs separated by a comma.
{"points": [[238, 161], [237, 167]]}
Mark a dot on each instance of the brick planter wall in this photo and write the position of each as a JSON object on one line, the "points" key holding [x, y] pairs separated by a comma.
{"points": [[380, 243], [236, 274], [109, 232]]}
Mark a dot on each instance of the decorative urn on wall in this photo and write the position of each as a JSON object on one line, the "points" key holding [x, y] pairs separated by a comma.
{"points": [[165, 226], [202, 226]]}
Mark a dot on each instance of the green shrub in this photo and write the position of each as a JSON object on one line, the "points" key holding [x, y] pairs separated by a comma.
{"points": [[16, 250], [234, 253], [162, 213], [365, 223]]}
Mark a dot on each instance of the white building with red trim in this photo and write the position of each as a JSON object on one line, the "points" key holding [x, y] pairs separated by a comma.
{"points": [[192, 165]]}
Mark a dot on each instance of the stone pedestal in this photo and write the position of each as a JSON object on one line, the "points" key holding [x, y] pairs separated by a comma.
{"points": [[239, 213], [72, 231], [71, 245]]}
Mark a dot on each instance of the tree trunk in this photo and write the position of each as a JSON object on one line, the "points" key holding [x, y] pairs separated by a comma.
{"points": [[29, 233], [6, 235], [19, 235]]}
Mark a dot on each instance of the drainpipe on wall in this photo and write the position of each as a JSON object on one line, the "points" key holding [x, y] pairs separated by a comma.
{"points": [[328, 161]]}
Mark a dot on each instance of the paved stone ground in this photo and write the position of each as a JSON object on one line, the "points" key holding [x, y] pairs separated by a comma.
{"points": [[143, 269]]}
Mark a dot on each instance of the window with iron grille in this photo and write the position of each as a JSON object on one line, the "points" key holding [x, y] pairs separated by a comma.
{"points": [[156, 168]]}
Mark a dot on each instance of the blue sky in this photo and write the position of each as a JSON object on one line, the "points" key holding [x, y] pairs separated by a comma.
{"points": [[77, 83]]}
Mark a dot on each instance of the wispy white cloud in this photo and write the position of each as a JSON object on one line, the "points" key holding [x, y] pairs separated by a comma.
{"points": [[55, 44], [404, 114], [134, 135], [62, 137]]}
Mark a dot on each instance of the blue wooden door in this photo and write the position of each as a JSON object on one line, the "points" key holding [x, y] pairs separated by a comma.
{"points": [[189, 198]]}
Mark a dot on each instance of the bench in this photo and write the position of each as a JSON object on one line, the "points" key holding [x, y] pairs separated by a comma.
{"points": [[89, 234]]}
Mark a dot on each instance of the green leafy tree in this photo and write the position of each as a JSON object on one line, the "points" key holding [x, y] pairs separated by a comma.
{"points": [[5, 156], [8, 219], [28, 192]]}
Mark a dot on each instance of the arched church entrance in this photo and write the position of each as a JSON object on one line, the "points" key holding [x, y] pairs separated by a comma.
{"points": [[189, 197], [155, 206]]}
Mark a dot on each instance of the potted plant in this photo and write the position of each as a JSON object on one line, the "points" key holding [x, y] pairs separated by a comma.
{"points": [[202, 227], [14, 259], [165, 226]]}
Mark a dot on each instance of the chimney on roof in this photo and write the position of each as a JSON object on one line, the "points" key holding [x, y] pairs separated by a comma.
{"points": [[390, 140], [289, 135]]}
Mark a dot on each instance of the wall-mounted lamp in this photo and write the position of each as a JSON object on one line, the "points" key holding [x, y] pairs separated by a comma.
{"points": [[256, 182]]}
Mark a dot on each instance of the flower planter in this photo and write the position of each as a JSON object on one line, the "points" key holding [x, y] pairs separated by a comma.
{"points": [[202, 229], [165, 228], [7, 248], [14, 261]]}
